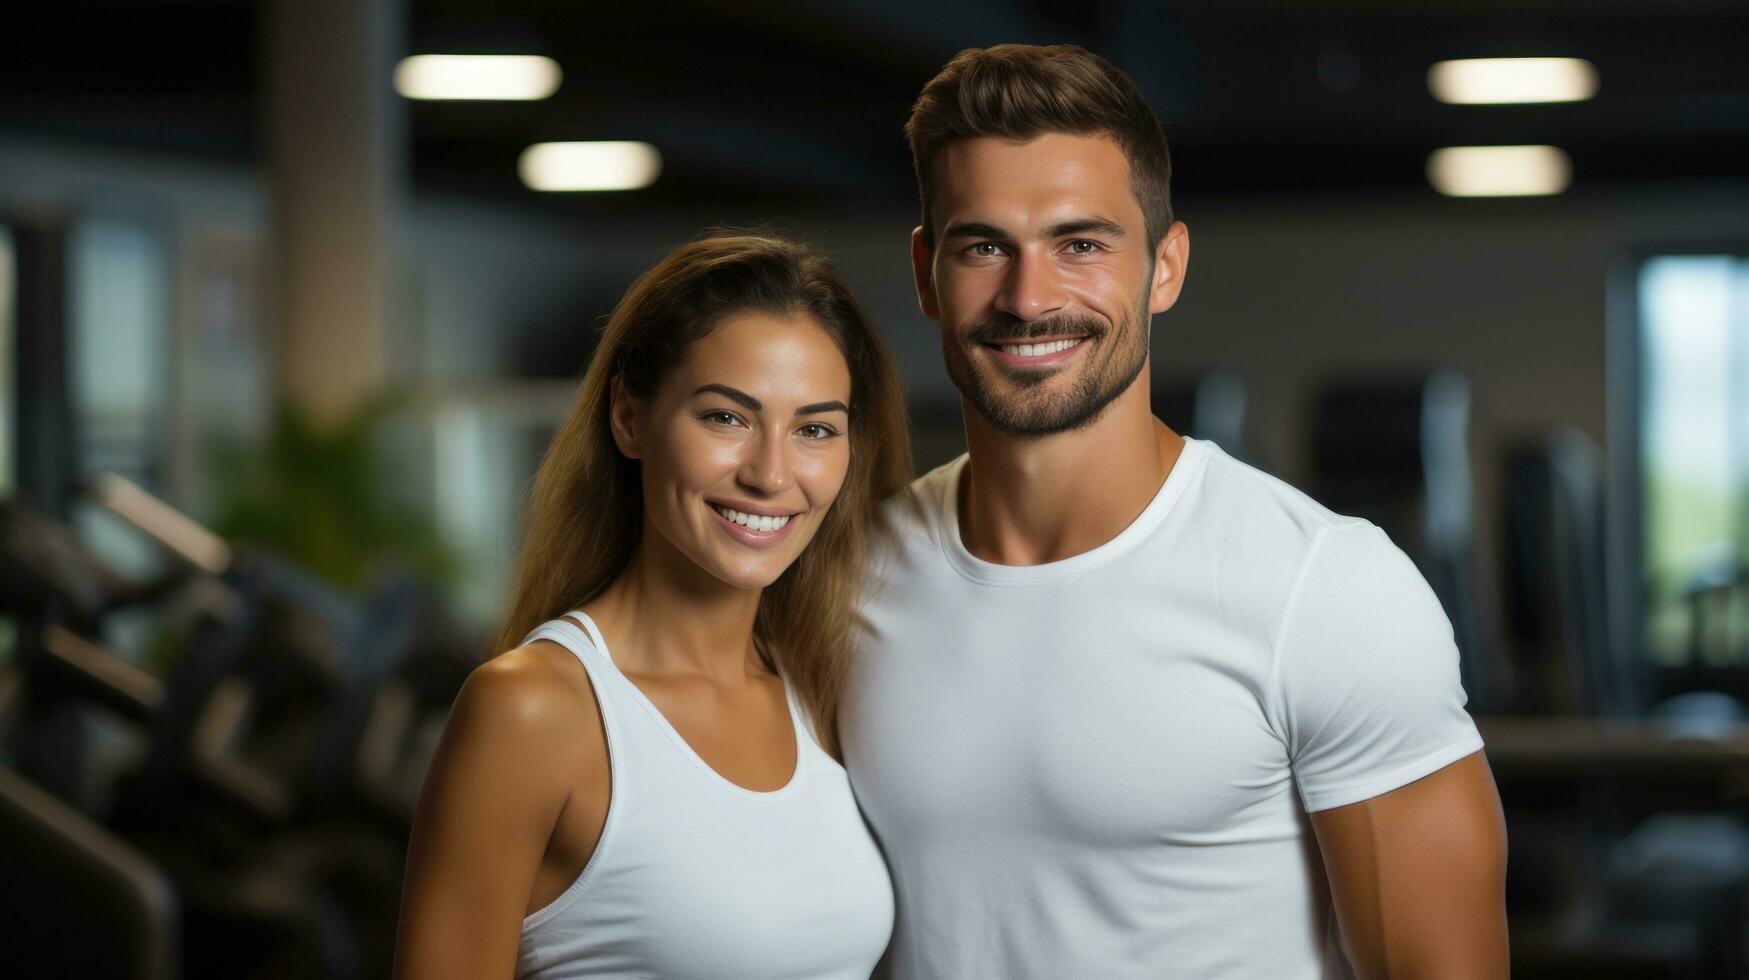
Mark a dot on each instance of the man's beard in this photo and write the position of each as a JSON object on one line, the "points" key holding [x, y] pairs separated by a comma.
{"points": [[1029, 411]]}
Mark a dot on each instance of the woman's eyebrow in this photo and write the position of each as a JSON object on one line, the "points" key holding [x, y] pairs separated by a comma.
{"points": [[733, 394], [755, 405]]}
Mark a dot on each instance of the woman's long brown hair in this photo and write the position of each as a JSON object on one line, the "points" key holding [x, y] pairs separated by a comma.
{"points": [[586, 510]]}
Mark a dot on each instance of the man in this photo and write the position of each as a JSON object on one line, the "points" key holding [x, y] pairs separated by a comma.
{"points": [[1127, 707]]}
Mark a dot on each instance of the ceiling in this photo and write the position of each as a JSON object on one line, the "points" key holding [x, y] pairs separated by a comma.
{"points": [[802, 100]]}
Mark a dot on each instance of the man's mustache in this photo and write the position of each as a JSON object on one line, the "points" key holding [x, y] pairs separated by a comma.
{"points": [[1011, 329]]}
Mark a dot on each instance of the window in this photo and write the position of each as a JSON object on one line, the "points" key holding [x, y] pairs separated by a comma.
{"points": [[1693, 465], [118, 320], [8, 394], [118, 312]]}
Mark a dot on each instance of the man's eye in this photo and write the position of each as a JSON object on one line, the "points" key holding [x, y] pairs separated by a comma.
{"points": [[985, 250], [1082, 246]]}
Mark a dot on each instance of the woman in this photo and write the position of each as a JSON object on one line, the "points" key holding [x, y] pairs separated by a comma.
{"points": [[642, 787]]}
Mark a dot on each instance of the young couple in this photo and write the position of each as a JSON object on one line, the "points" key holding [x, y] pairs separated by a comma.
{"points": [[1111, 703]]}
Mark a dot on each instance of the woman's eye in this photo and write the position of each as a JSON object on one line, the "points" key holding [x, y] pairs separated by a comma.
{"points": [[815, 430], [722, 418]]}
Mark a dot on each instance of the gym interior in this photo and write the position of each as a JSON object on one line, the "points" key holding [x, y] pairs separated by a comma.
{"points": [[288, 313]]}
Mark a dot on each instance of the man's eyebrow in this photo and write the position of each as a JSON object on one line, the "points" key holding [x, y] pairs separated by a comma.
{"points": [[819, 407], [1082, 226], [972, 229], [733, 394]]}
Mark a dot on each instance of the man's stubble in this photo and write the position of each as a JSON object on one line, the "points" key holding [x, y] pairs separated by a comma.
{"points": [[1027, 411]]}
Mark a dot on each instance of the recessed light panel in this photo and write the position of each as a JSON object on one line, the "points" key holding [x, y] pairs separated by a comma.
{"points": [[474, 77], [602, 166], [1504, 81], [1499, 171]]}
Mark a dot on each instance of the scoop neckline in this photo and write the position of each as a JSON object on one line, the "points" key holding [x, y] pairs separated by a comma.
{"points": [[599, 642], [1184, 469]]}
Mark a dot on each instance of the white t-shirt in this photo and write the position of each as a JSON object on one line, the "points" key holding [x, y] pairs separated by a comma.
{"points": [[1101, 766]]}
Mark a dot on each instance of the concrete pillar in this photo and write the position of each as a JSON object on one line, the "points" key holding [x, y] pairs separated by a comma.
{"points": [[335, 137]]}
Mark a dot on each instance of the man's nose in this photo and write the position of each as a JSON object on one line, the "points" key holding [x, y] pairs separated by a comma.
{"points": [[1031, 289]]}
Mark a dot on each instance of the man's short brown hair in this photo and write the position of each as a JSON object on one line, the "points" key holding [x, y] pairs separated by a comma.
{"points": [[1023, 91]]}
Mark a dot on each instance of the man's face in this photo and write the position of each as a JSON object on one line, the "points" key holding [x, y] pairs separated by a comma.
{"points": [[1042, 278]]}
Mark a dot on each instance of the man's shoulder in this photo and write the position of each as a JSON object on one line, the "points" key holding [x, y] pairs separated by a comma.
{"points": [[919, 506], [1246, 503], [1254, 538], [911, 519], [1284, 522]]}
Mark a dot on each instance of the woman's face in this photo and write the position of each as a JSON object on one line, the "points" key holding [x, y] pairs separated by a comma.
{"points": [[744, 444]]}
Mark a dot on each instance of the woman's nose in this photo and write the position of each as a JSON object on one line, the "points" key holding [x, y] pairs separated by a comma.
{"points": [[767, 469]]}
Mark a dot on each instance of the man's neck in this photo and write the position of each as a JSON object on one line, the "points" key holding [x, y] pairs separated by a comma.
{"points": [[1030, 500]]}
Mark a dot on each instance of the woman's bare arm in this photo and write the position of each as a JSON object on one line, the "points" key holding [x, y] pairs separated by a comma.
{"points": [[512, 751]]}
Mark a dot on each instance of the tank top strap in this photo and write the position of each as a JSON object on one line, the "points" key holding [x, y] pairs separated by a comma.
{"points": [[580, 618], [584, 642], [578, 634]]}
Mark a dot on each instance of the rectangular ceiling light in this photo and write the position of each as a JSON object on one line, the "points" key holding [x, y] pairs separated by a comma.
{"points": [[478, 77], [603, 166], [1504, 81], [1499, 171]]}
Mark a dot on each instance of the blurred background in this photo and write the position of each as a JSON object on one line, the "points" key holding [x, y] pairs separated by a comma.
{"points": [[289, 308]]}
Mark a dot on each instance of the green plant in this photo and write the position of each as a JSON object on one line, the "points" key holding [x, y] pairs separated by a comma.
{"points": [[322, 496]]}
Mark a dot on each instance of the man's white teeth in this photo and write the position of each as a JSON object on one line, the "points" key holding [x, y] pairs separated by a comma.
{"points": [[1039, 350], [753, 522]]}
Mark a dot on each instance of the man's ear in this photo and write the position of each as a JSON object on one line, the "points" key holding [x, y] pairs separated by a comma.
{"points": [[923, 273], [1171, 260], [625, 416]]}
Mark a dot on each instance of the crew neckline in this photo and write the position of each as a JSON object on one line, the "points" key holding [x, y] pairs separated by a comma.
{"points": [[1190, 460]]}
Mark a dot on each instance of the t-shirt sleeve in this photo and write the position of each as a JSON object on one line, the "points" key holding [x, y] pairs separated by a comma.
{"points": [[1367, 671]]}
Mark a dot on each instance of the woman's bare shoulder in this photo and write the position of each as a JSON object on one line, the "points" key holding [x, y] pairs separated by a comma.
{"points": [[534, 690], [522, 739]]}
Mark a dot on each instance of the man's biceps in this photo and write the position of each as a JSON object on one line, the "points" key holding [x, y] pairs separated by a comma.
{"points": [[1452, 827], [1465, 787], [1453, 798]]}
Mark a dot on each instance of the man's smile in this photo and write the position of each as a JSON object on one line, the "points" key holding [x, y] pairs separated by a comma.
{"points": [[1034, 353], [1037, 348]]}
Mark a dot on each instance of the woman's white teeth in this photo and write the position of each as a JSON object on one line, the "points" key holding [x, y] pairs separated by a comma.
{"points": [[753, 522], [1039, 350]]}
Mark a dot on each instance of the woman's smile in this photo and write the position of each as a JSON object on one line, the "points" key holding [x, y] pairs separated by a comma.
{"points": [[760, 530]]}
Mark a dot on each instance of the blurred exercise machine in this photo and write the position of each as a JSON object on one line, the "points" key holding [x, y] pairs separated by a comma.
{"points": [[266, 775], [1643, 869], [1566, 662], [55, 860]]}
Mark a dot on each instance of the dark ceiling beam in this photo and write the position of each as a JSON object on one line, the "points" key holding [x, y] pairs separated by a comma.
{"points": [[756, 147], [908, 36]]}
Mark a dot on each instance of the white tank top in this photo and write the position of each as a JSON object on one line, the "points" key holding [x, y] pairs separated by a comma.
{"points": [[695, 876]]}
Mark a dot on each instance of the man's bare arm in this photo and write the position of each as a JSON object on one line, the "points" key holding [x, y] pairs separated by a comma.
{"points": [[1418, 876]]}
